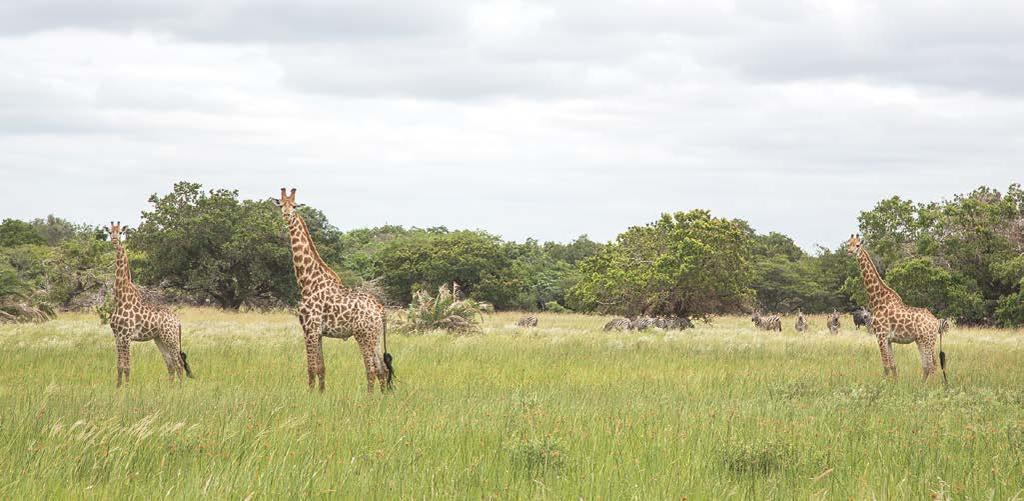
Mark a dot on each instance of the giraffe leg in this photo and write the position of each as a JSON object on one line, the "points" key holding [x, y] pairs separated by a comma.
{"points": [[369, 362], [123, 359], [382, 373], [888, 362], [927, 349], [321, 367], [311, 328], [891, 359], [171, 359], [315, 361]]}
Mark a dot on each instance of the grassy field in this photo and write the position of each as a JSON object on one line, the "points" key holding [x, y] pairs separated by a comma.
{"points": [[561, 411]]}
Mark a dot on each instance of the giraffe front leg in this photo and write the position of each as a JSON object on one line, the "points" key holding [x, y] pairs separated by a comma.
{"points": [[314, 361], [888, 362], [123, 347]]}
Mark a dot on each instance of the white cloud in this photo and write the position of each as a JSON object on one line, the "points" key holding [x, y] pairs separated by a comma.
{"points": [[526, 119]]}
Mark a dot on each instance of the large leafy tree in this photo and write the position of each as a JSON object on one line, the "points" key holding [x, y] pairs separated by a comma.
{"points": [[14, 232], [211, 245], [686, 263], [427, 259]]}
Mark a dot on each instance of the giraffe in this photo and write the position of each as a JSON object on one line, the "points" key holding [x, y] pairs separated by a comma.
{"points": [[328, 308], [134, 320], [893, 321]]}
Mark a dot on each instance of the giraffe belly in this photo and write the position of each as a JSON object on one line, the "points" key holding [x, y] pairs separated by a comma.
{"points": [[902, 337]]}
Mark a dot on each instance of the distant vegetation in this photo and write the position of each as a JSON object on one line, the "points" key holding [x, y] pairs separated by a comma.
{"points": [[963, 258]]}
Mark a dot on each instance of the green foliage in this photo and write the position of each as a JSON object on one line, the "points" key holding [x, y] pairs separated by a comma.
{"points": [[18, 300], [685, 264], [572, 252], [426, 259], [445, 311], [959, 257], [80, 267], [14, 232], [211, 245], [55, 230]]}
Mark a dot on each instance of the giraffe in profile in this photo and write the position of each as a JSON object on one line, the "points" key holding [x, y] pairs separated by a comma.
{"points": [[895, 322], [134, 320], [330, 309]]}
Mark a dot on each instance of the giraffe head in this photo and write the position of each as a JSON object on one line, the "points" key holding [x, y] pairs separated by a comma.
{"points": [[115, 232], [854, 244], [287, 204]]}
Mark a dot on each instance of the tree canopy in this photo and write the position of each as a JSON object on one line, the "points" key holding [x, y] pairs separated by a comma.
{"points": [[963, 258]]}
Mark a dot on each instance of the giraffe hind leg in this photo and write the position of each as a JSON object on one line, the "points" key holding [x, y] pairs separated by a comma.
{"points": [[927, 350], [370, 362], [171, 359]]}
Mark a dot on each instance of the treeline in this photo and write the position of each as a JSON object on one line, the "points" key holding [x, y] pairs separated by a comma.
{"points": [[962, 258]]}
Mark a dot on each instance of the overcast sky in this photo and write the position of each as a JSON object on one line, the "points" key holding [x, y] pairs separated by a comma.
{"points": [[546, 119]]}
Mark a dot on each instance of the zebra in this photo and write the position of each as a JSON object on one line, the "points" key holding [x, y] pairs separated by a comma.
{"points": [[617, 324], [833, 322], [641, 323], [527, 321], [801, 322], [861, 316], [768, 323], [668, 323]]}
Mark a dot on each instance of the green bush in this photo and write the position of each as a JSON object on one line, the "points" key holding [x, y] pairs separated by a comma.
{"points": [[445, 311]]}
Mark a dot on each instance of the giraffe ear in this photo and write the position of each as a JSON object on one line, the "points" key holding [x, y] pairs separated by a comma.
{"points": [[299, 206], [276, 202]]}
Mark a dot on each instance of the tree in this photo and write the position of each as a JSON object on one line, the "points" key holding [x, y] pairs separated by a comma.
{"points": [[427, 259], [14, 232], [573, 252], [213, 246], [55, 230], [79, 266], [964, 243], [686, 264]]}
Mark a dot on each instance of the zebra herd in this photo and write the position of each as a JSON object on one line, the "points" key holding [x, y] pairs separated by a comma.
{"points": [[643, 323], [773, 322], [861, 317]]}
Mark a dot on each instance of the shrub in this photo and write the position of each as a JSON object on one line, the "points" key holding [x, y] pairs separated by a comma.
{"points": [[17, 301], [444, 311]]}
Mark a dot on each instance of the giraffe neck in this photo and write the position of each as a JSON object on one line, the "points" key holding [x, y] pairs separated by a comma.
{"points": [[124, 290], [311, 271], [879, 293]]}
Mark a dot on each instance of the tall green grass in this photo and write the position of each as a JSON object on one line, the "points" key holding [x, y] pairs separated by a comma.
{"points": [[563, 410]]}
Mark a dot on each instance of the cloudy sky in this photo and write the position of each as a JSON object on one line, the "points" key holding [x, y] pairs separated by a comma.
{"points": [[545, 119]]}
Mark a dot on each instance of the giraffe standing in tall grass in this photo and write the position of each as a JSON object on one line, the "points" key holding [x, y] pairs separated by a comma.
{"points": [[328, 308], [134, 320], [895, 322]]}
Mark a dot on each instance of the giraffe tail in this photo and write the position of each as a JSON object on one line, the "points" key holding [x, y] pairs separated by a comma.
{"points": [[184, 363], [387, 357], [184, 357], [942, 360]]}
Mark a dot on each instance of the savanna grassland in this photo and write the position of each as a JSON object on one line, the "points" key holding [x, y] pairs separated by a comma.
{"points": [[563, 410]]}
